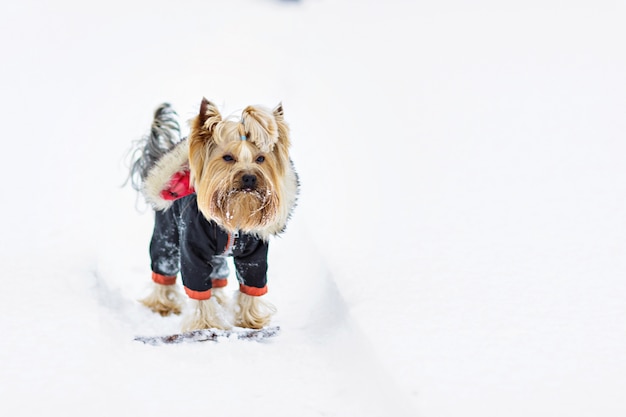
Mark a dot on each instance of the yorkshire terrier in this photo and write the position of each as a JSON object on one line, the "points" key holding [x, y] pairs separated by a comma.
{"points": [[223, 191]]}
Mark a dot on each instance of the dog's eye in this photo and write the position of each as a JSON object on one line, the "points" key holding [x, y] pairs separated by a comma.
{"points": [[260, 159], [228, 158]]}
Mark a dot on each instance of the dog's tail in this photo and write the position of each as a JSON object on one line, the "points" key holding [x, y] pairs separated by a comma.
{"points": [[164, 135]]}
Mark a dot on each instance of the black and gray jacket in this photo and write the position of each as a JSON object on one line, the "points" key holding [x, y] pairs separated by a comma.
{"points": [[185, 241]]}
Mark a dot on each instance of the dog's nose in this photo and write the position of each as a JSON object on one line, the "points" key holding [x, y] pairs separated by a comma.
{"points": [[248, 181]]}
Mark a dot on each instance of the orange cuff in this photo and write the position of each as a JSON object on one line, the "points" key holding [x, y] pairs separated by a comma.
{"points": [[198, 295], [163, 279], [253, 291], [219, 282]]}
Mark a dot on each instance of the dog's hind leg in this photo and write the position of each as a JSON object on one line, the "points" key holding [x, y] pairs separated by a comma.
{"points": [[165, 263], [164, 298]]}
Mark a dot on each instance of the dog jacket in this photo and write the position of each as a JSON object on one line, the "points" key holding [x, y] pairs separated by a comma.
{"points": [[185, 241]]}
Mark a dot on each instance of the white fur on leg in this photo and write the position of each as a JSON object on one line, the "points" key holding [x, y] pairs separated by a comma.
{"points": [[164, 299], [206, 314], [253, 312], [220, 295], [223, 299]]}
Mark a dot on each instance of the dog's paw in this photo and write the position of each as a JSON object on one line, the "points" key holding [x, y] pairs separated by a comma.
{"points": [[164, 299], [206, 314], [253, 312]]}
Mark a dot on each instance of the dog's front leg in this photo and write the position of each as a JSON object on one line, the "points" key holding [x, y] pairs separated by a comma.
{"points": [[253, 312], [251, 309], [205, 314]]}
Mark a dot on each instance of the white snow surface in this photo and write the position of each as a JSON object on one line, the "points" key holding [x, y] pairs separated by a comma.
{"points": [[459, 245]]}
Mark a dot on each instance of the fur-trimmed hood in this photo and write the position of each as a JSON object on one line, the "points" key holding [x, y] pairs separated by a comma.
{"points": [[168, 179]]}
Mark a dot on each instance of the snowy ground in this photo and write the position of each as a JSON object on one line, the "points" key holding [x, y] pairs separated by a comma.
{"points": [[459, 247]]}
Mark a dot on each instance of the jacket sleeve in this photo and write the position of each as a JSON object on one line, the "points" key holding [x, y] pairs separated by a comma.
{"points": [[251, 266], [198, 246]]}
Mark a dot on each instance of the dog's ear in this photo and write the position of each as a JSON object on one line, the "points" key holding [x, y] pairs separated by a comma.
{"points": [[203, 126], [208, 116], [201, 135], [278, 112], [283, 129], [261, 127]]}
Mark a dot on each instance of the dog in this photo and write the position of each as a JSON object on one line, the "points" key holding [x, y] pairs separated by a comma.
{"points": [[222, 191]]}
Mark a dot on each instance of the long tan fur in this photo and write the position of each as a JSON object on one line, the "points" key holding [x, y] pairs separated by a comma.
{"points": [[163, 299], [253, 312], [206, 314]]}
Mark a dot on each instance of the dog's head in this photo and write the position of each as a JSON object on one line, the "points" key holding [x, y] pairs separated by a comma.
{"points": [[241, 169]]}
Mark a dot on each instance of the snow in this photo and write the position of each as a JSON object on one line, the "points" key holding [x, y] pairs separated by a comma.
{"points": [[459, 244]]}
